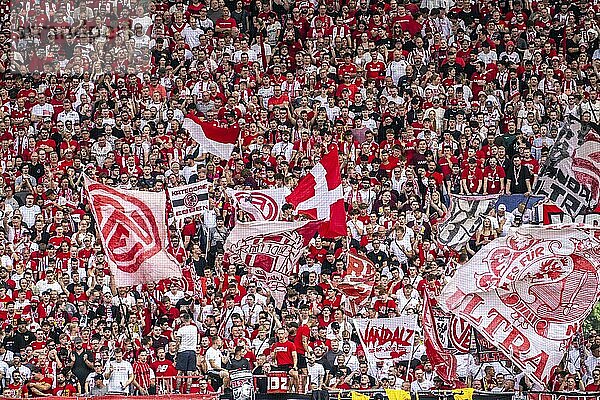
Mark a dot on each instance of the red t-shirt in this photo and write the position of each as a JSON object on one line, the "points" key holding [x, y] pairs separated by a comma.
{"points": [[303, 331], [494, 177], [163, 368], [473, 178], [283, 353]]}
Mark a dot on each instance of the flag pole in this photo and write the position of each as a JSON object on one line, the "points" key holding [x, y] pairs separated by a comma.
{"points": [[412, 351]]}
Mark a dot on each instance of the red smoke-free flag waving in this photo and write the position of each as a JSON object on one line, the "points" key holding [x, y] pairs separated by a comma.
{"points": [[133, 232], [443, 361], [319, 195], [358, 282], [212, 139]]}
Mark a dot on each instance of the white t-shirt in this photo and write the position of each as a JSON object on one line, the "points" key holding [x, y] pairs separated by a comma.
{"points": [[417, 386], [215, 355], [316, 374], [189, 337], [29, 214], [120, 375]]}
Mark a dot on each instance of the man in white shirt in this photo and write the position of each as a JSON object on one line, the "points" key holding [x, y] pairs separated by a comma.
{"points": [[42, 109], [187, 339], [420, 384], [215, 360], [316, 372], [29, 211], [49, 283], [119, 374]]}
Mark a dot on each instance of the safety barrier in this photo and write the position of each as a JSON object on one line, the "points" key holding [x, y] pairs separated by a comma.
{"points": [[347, 394]]}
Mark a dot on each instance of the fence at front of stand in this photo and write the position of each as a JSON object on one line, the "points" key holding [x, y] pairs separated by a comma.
{"points": [[273, 386]]}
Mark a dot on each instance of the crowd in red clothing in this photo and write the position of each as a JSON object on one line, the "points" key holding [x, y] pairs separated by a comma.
{"points": [[421, 99]]}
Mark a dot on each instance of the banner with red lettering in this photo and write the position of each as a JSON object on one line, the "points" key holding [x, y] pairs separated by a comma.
{"points": [[387, 338], [529, 292]]}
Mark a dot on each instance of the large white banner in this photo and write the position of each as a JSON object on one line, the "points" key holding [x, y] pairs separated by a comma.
{"points": [[387, 338], [529, 292], [133, 230], [270, 251], [189, 200]]}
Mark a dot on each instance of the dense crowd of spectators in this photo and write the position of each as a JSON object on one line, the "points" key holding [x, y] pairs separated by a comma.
{"points": [[422, 100]]}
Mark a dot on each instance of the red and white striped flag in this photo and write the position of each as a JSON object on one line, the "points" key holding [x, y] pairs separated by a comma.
{"points": [[212, 139], [133, 231], [443, 361], [319, 195]]}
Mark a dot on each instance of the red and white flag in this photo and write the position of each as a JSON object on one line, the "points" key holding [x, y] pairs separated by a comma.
{"points": [[260, 205], [357, 284], [319, 195], [442, 360], [133, 231], [270, 250], [387, 339], [528, 293], [212, 139]]}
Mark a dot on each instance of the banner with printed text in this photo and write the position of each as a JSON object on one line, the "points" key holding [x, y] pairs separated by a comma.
{"points": [[189, 200], [270, 251], [529, 292], [387, 338], [570, 176]]}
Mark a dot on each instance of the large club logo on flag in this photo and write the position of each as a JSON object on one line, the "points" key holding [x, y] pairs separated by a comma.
{"points": [[260, 205], [319, 195], [528, 293], [270, 251], [132, 228]]}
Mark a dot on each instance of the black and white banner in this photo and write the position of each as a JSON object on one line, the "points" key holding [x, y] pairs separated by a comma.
{"points": [[189, 200], [464, 217], [571, 175], [242, 385]]}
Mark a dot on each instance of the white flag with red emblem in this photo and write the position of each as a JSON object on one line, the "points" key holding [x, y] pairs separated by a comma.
{"points": [[210, 138], [528, 293], [270, 251], [357, 284], [133, 231], [319, 195], [260, 205]]}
